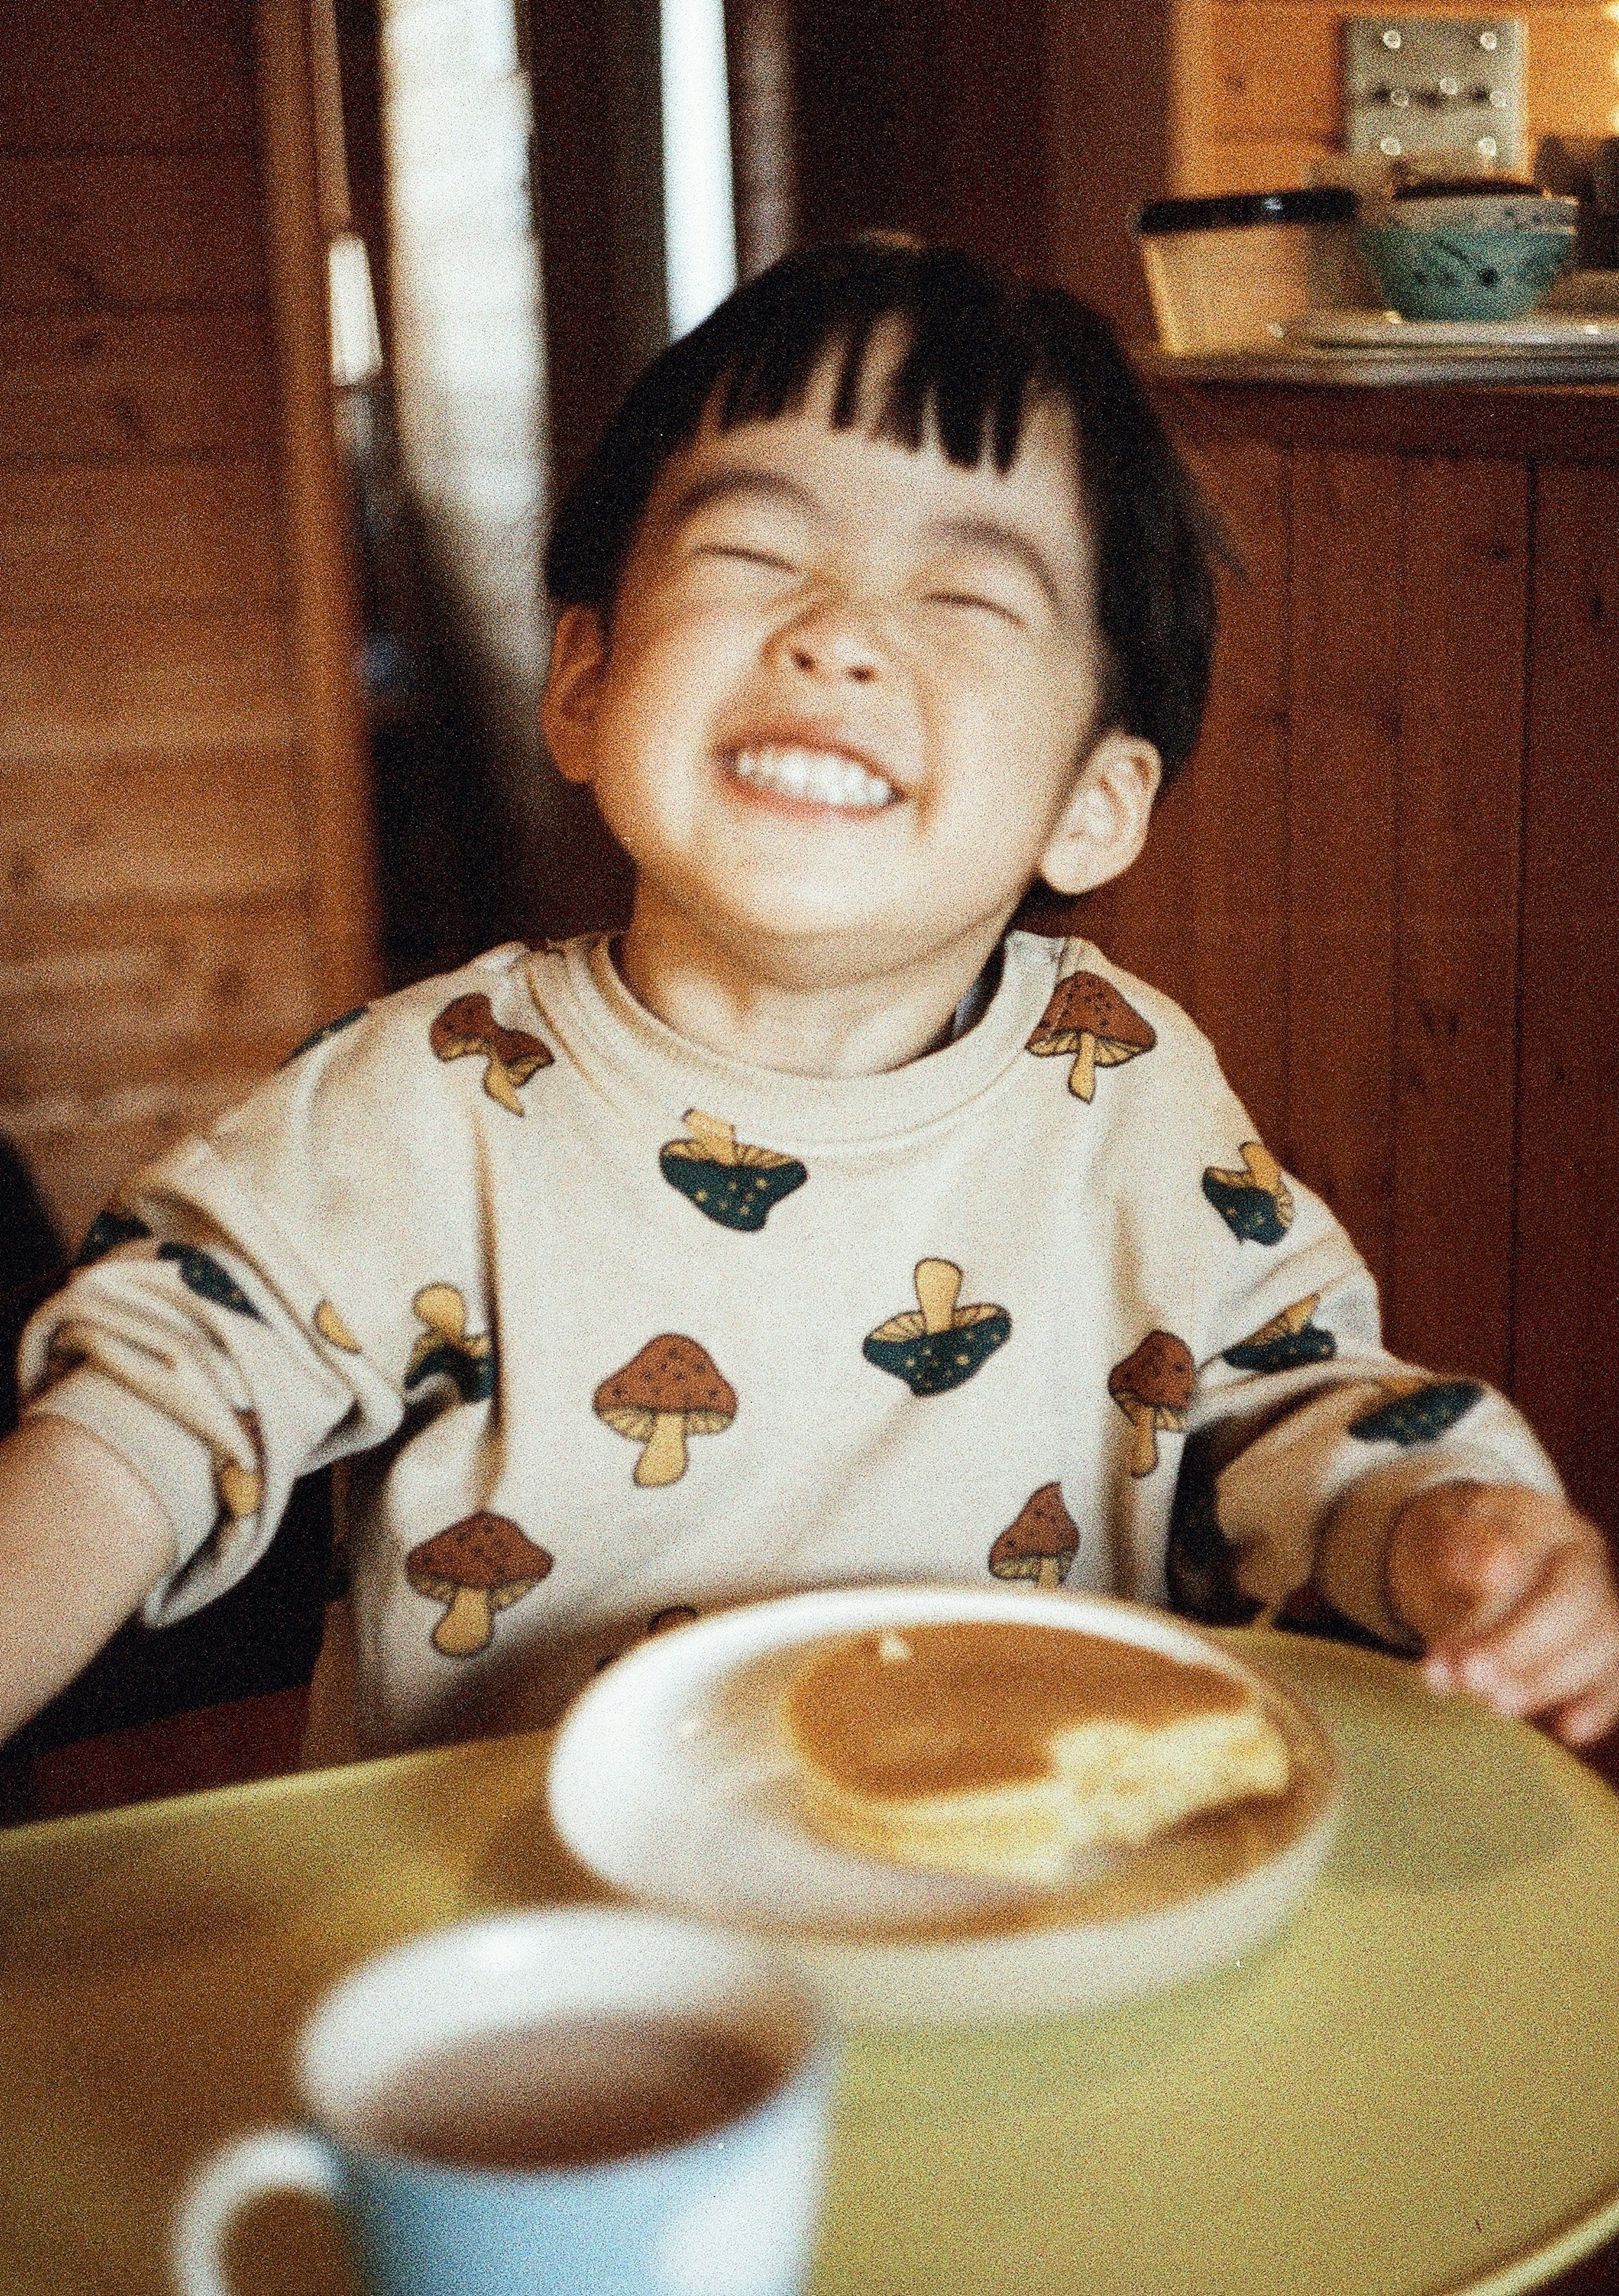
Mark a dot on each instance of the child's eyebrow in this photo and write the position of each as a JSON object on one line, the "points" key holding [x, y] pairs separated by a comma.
{"points": [[991, 533], [719, 485]]}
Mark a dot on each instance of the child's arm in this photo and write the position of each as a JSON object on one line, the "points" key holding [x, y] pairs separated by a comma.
{"points": [[1513, 1595], [82, 1541]]}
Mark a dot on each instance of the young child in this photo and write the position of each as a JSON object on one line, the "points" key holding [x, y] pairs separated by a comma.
{"points": [[823, 1229]]}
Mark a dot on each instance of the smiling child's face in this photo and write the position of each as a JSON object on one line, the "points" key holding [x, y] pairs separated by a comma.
{"points": [[842, 717]]}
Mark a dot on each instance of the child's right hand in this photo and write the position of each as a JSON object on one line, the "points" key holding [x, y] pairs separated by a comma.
{"points": [[1513, 1595]]}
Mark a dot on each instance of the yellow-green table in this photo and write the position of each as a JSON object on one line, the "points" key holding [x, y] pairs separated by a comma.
{"points": [[1413, 2088]]}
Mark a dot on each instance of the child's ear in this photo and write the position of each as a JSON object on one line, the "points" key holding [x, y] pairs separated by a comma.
{"points": [[1103, 826], [567, 709]]}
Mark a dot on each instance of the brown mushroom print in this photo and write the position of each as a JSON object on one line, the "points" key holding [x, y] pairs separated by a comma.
{"points": [[477, 1567], [1153, 1388], [727, 1180], [1041, 1543], [1256, 1203], [444, 1348], [1088, 1017], [672, 1389], [939, 1348], [468, 1025]]}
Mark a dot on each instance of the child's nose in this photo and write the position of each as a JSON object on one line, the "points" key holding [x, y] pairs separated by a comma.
{"points": [[831, 642]]}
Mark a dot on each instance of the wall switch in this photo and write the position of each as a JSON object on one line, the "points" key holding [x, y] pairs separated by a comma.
{"points": [[1416, 85]]}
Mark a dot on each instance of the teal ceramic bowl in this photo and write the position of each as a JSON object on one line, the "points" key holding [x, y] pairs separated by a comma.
{"points": [[1464, 275]]}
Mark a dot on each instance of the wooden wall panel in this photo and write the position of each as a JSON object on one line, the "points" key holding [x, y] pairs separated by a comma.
{"points": [[1203, 914], [173, 534], [107, 683], [93, 232], [123, 386], [1568, 1300], [135, 73], [212, 824], [1448, 1281], [1260, 83], [1349, 627], [178, 728]]}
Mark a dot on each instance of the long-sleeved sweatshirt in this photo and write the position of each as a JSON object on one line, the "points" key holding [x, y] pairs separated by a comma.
{"points": [[610, 1329]]}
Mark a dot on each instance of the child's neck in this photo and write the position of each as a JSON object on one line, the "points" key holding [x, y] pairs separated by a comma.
{"points": [[801, 1017]]}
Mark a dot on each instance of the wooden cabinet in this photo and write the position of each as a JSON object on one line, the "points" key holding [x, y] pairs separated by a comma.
{"points": [[1388, 886]]}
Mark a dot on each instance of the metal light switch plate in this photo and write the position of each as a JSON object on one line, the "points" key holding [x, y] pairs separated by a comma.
{"points": [[1424, 84]]}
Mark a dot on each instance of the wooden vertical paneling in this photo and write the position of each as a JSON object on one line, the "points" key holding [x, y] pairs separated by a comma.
{"points": [[1567, 1318], [1236, 820], [1349, 630], [182, 807], [1203, 914], [1448, 1276]]}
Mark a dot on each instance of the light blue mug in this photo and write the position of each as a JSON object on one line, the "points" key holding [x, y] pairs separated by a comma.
{"points": [[725, 2209]]}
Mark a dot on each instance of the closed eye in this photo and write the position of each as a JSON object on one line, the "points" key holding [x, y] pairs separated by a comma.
{"points": [[971, 598], [748, 557]]}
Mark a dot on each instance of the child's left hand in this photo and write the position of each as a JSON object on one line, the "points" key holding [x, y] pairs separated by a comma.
{"points": [[1513, 1595]]}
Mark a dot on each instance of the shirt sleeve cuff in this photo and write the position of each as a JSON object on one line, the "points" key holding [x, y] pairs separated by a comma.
{"points": [[1352, 1556], [175, 1465]]}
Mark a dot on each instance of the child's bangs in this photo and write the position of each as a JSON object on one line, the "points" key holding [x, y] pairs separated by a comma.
{"points": [[970, 368]]}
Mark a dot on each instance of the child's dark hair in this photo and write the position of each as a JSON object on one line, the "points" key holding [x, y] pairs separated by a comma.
{"points": [[981, 350]]}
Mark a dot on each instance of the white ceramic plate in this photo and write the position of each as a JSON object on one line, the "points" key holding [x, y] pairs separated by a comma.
{"points": [[668, 1779], [1386, 330]]}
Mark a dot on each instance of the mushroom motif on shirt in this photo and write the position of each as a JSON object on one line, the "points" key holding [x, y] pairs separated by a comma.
{"points": [[329, 1028], [1417, 1411], [242, 1488], [672, 1389], [107, 1231], [1285, 1342], [1153, 1388], [1199, 1562], [332, 1328], [477, 1567], [467, 1025], [1256, 1203], [1088, 1017], [1040, 1544], [444, 1350], [937, 1349], [729, 1180], [200, 1273]]}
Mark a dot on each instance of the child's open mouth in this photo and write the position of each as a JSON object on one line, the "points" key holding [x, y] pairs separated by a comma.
{"points": [[828, 777]]}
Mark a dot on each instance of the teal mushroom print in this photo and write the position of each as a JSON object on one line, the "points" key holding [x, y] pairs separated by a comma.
{"points": [[332, 1029], [937, 1349], [445, 1350], [106, 1232], [200, 1273], [1285, 1342], [730, 1181], [1256, 1203], [1198, 1562], [1419, 1412]]}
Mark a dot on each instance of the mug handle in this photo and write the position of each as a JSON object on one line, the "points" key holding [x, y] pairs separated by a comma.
{"points": [[275, 2160]]}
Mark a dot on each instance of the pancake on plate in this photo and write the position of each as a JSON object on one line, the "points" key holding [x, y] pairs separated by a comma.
{"points": [[997, 1748]]}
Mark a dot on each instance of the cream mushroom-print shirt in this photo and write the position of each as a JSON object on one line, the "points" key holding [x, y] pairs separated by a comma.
{"points": [[610, 1329]]}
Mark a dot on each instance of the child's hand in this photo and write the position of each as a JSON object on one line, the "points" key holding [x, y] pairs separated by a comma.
{"points": [[1513, 1595]]}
